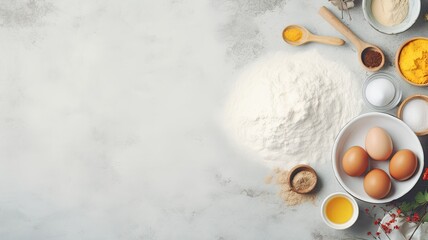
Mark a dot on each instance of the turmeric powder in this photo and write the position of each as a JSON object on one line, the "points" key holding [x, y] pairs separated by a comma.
{"points": [[293, 34], [413, 61]]}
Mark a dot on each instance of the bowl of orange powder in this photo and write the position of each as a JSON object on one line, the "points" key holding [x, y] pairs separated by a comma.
{"points": [[411, 61]]}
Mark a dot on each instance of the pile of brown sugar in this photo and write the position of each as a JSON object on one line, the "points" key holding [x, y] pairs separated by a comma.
{"points": [[303, 181], [291, 198]]}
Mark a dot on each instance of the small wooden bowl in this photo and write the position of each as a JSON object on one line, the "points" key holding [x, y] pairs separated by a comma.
{"points": [[403, 104], [296, 169], [397, 57]]}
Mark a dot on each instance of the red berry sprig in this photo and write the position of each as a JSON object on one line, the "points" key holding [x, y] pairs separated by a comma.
{"points": [[425, 176]]}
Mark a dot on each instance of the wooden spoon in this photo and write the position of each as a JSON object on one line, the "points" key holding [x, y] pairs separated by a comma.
{"points": [[309, 37], [362, 47]]}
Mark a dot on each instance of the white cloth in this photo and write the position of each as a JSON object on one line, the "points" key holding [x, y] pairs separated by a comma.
{"points": [[406, 229]]}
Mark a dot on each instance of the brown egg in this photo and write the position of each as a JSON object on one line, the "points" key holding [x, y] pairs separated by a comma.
{"points": [[355, 161], [377, 183], [403, 164], [378, 144]]}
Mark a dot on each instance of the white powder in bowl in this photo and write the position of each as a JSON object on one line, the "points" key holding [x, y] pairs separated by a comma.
{"points": [[289, 108], [390, 12], [380, 92], [415, 115]]}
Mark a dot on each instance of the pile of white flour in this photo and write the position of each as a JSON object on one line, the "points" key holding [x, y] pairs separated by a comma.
{"points": [[289, 108]]}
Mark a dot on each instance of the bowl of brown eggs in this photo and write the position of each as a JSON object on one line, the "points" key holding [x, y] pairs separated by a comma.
{"points": [[377, 158]]}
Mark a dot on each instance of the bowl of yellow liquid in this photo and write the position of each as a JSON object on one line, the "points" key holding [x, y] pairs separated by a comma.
{"points": [[339, 210]]}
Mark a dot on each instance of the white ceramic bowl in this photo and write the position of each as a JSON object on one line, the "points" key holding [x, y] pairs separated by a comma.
{"points": [[335, 225], [354, 134], [412, 16]]}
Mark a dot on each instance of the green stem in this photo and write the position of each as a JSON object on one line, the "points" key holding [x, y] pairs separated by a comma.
{"points": [[420, 222]]}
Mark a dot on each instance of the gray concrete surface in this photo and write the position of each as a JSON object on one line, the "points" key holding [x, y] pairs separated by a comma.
{"points": [[109, 119]]}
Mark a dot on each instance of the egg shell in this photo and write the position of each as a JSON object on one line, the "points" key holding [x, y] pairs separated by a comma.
{"points": [[377, 183], [403, 165], [378, 144], [355, 161]]}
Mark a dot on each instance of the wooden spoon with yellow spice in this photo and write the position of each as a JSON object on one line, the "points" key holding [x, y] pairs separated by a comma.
{"points": [[297, 35]]}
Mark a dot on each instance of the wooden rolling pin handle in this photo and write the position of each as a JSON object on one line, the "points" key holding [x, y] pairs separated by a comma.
{"points": [[328, 40], [339, 26]]}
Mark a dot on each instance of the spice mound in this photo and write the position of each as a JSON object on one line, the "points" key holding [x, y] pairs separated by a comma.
{"points": [[391, 12], [304, 181], [293, 34], [413, 61], [290, 197], [372, 58]]}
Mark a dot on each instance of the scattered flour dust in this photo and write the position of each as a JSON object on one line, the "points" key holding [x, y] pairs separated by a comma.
{"points": [[291, 198], [289, 108]]}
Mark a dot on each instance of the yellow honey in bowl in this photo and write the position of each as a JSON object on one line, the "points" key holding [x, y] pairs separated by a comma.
{"points": [[339, 210]]}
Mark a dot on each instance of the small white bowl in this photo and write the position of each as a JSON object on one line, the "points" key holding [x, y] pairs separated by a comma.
{"points": [[335, 225], [412, 16]]}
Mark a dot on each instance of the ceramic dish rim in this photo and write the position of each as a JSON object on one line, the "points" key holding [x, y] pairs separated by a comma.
{"points": [[412, 20], [351, 221], [334, 164]]}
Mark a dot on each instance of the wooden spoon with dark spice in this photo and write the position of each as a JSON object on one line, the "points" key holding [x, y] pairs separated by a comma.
{"points": [[370, 56]]}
